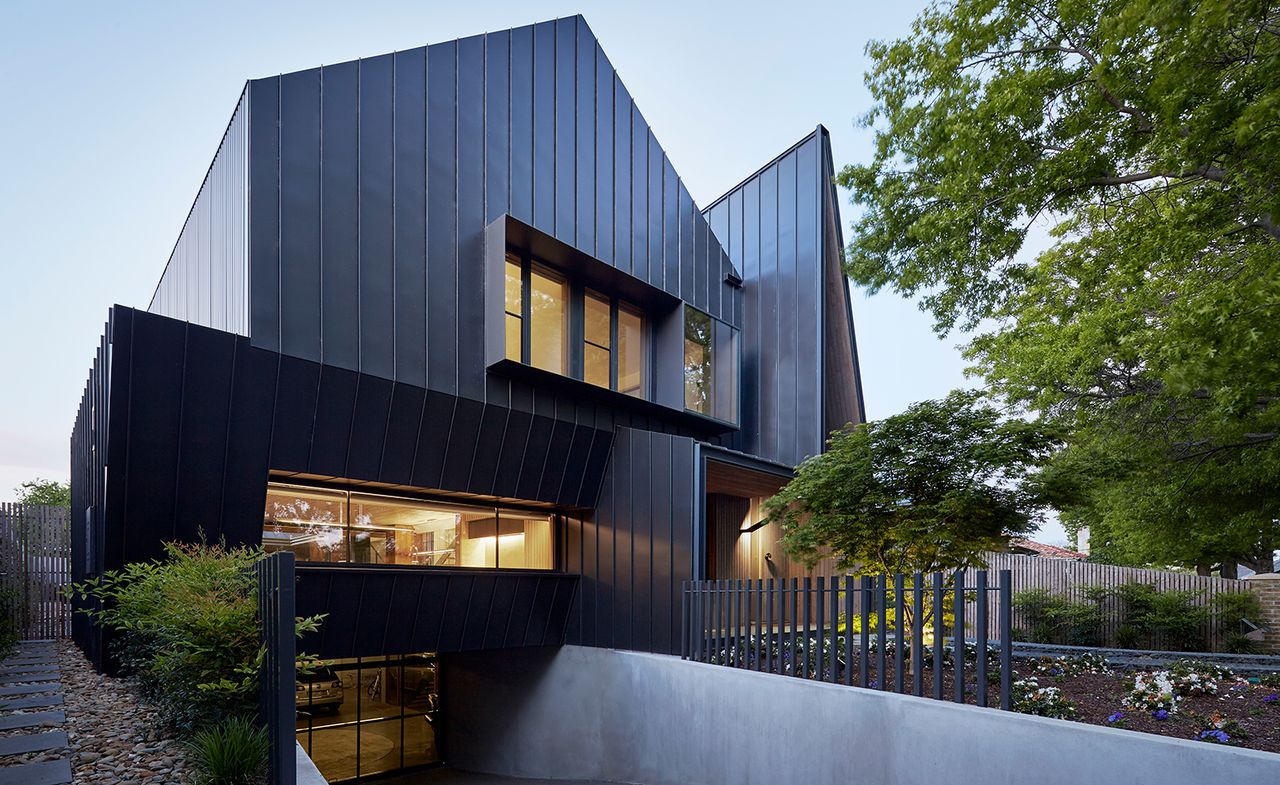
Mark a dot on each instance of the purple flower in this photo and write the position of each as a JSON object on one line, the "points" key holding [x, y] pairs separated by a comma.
{"points": [[1272, 698], [1119, 715], [1160, 714], [1216, 736]]}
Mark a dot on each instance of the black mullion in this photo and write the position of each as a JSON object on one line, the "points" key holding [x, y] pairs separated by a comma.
{"points": [[526, 285], [613, 344]]}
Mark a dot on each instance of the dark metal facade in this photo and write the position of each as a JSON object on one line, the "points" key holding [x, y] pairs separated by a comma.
{"points": [[638, 546], [378, 610], [799, 370], [206, 279], [356, 199]]}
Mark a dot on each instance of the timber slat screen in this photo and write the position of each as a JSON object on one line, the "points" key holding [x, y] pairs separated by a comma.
{"points": [[1077, 581], [277, 608], [35, 568], [846, 630]]}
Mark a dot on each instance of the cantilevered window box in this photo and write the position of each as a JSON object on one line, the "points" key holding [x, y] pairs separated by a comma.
{"points": [[562, 319]]}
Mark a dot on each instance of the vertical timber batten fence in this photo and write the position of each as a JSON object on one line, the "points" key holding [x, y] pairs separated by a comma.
{"points": [[35, 568], [277, 610], [876, 632]]}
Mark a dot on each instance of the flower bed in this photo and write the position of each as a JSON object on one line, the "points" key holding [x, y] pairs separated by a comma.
{"points": [[1187, 701]]}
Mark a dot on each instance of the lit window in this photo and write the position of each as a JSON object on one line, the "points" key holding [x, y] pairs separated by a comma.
{"points": [[630, 351], [698, 373], [310, 522], [710, 366], [548, 298], [338, 526], [514, 318], [596, 355]]}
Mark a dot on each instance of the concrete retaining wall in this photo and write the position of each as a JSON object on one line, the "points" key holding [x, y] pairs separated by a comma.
{"points": [[596, 714]]}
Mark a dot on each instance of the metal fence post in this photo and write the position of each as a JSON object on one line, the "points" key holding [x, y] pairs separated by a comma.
{"points": [[864, 644], [277, 609], [957, 635], [981, 624], [1006, 640], [899, 617], [848, 630], [939, 632], [917, 634], [822, 615]]}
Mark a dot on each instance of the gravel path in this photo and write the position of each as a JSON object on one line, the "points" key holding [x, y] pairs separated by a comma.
{"points": [[113, 733]]}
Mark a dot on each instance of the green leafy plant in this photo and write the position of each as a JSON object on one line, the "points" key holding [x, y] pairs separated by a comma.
{"points": [[8, 623], [188, 630], [231, 752], [1052, 618]]}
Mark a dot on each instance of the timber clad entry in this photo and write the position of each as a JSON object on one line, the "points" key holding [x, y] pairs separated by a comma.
{"points": [[35, 568]]}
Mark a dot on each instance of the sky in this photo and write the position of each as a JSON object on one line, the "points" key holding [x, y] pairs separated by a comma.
{"points": [[114, 112]]}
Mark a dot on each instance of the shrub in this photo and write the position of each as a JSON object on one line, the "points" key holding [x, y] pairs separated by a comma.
{"points": [[189, 630], [8, 624], [1030, 698], [231, 752], [1167, 620], [1231, 610], [1051, 618]]}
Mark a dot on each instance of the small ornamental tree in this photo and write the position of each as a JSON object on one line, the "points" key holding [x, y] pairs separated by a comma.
{"points": [[925, 490], [40, 491]]}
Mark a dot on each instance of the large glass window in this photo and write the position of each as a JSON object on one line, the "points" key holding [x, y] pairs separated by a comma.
{"points": [[630, 351], [710, 366], [513, 320], [548, 321], [699, 378], [341, 526], [363, 716], [537, 327], [597, 354], [310, 522]]}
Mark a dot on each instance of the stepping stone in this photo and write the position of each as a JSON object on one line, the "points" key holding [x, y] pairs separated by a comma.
{"points": [[5, 670], [30, 689], [35, 742], [16, 678], [46, 772], [30, 703], [33, 720]]}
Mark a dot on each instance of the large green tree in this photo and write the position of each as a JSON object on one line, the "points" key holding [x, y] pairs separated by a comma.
{"points": [[1144, 136], [928, 489]]}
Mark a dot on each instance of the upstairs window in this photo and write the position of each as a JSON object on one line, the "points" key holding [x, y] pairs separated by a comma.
{"points": [[710, 366], [542, 310], [612, 345], [536, 318], [597, 354]]}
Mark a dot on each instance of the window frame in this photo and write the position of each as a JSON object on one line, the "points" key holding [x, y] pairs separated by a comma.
{"points": [[718, 352], [576, 341], [556, 520]]}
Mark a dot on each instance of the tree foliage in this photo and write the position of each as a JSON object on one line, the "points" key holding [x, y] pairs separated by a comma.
{"points": [[39, 491], [1146, 135], [927, 489]]}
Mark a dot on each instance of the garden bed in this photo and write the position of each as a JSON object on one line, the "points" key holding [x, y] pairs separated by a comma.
{"points": [[115, 735], [1196, 701]]}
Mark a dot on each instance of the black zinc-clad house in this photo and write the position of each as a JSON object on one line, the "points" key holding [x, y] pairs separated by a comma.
{"points": [[447, 324]]}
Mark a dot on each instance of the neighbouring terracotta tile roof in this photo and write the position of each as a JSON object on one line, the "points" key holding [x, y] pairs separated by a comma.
{"points": [[1047, 551]]}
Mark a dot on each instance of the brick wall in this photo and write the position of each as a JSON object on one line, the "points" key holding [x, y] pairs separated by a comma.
{"points": [[1267, 587]]}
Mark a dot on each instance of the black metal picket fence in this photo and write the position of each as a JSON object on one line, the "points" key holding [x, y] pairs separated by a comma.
{"points": [[869, 631], [277, 606]]}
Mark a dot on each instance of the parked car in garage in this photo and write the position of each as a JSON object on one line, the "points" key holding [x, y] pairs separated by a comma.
{"points": [[320, 689]]}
